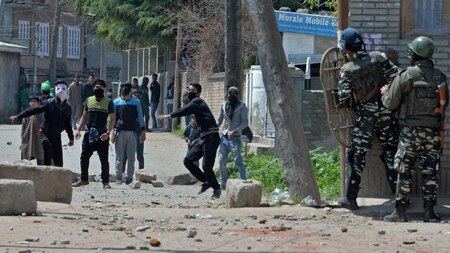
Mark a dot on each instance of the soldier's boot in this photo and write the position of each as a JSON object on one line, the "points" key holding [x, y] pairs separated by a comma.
{"points": [[349, 204], [398, 215], [429, 214]]}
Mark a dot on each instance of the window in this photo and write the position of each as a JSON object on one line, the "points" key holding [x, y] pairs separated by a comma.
{"points": [[43, 38], [59, 48], [24, 29], [73, 43], [425, 17]]}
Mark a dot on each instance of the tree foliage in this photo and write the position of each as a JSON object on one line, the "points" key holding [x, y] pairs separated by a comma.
{"points": [[130, 23]]}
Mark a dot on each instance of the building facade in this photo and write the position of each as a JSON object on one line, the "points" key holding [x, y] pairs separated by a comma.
{"points": [[31, 23]]}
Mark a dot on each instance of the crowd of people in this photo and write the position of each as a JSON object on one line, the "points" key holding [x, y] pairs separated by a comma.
{"points": [[402, 108], [124, 122]]}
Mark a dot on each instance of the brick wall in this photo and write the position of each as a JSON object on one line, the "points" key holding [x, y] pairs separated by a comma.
{"points": [[382, 18], [313, 111], [315, 122]]}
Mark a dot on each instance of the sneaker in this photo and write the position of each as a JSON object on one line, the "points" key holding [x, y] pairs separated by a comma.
{"points": [[205, 186], [135, 185], [119, 181], [106, 186], [80, 183], [349, 204], [216, 194], [128, 181]]}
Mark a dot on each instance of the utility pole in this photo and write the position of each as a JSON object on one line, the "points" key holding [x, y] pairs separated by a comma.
{"points": [[342, 16], [52, 68], [36, 47], [234, 70], [177, 81], [102, 61]]}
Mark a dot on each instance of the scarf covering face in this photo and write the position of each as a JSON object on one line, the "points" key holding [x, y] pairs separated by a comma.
{"points": [[231, 105]]}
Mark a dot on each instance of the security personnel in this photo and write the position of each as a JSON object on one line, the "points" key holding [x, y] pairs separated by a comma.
{"points": [[417, 95], [359, 87]]}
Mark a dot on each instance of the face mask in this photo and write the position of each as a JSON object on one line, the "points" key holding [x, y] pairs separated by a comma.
{"points": [[125, 91], [192, 95], [61, 91], [46, 92], [109, 94], [99, 93], [233, 100]]}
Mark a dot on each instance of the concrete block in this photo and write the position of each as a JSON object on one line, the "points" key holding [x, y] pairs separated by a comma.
{"points": [[243, 193], [52, 184], [144, 176], [17, 197], [182, 179]]}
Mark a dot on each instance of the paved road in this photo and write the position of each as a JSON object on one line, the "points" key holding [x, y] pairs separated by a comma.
{"points": [[122, 219], [163, 153]]}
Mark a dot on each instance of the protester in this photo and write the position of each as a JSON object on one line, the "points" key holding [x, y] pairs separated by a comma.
{"points": [[169, 101], [24, 95], [139, 144], [155, 88], [57, 118], [191, 135], [31, 146], [128, 111], [234, 114], [74, 98], [46, 91], [145, 100], [96, 138], [88, 88], [206, 146]]}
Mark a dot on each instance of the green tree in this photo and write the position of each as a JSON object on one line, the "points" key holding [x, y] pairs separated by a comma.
{"points": [[130, 23]]}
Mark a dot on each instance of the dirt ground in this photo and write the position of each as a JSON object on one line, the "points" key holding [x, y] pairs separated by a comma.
{"points": [[122, 219]]}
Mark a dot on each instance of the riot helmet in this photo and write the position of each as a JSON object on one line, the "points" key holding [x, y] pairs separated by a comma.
{"points": [[351, 39], [422, 46]]}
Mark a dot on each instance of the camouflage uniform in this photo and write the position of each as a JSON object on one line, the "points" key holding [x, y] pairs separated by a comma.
{"points": [[359, 86], [415, 98]]}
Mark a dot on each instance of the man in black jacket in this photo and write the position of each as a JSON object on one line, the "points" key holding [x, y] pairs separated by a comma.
{"points": [[57, 118], [206, 146]]}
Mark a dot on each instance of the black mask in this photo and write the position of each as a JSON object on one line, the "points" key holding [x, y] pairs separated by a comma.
{"points": [[233, 100], [99, 93], [192, 95], [125, 91], [46, 92]]}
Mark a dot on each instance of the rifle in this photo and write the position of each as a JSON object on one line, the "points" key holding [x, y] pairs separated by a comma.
{"points": [[441, 111]]}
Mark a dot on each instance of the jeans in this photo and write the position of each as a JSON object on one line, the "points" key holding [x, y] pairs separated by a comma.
{"points": [[125, 143], [146, 117], [169, 111], [154, 108], [233, 145], [207, 150], [87, 150], [139, 154]]}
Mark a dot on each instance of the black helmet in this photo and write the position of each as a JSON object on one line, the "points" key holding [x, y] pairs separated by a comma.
{"points": [[350, 38], [422, 46]]}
